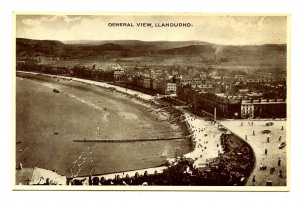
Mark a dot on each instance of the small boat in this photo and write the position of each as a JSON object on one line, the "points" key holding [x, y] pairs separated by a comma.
{"points": [[56, 91]]}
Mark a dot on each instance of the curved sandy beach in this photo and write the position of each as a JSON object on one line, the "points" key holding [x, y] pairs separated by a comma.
{"points": [[47, 123]]}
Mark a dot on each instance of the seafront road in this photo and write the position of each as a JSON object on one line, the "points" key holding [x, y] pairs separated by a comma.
{"points": [[259, 143]]}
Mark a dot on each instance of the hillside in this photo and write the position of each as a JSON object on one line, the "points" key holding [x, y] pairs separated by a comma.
{"points": [[203, 51], [156, 52], [29, 48], [235, 55], [137, 45]]}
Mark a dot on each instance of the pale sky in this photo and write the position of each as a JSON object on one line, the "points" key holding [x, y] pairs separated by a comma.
{"points": [[228, 30]]}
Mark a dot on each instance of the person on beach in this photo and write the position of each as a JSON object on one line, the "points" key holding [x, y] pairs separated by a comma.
{"points": [[266, 151], [279, 140], [272, 170], [279, 162], [246, 138], [269, 182], [253, 179], [262, 166], [20, 166], [280, 173], [268, 139], [253, 132]]}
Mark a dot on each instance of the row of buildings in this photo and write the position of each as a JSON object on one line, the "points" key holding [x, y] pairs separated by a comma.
{"points": [[246, 106], [211, 95], [263, 108], [159, 85]]}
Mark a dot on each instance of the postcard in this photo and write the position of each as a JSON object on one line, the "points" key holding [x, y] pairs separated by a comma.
{"points": [[151, 101]]}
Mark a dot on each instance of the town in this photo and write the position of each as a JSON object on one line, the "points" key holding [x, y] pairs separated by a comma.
{"points": [[244, 93]]}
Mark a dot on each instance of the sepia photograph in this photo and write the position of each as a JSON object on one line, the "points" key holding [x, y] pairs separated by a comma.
{"points": [[151, 101]]}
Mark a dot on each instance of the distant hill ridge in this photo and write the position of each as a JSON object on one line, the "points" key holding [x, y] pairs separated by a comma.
{"points": [[267, 54]]}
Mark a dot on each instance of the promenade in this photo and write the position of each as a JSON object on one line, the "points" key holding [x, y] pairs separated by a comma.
{"points": [[206, 139], [266, 149]]}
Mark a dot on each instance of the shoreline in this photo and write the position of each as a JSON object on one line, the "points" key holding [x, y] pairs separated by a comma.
{"points": [[163, 113], [144, 100], [141, 95]]}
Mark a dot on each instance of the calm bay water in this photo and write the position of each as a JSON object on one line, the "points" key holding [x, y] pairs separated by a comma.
{"points": [[47, 123]]}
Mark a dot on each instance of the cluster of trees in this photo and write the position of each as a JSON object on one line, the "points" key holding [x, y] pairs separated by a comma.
{"points": [[32, 66], [92, 74]]}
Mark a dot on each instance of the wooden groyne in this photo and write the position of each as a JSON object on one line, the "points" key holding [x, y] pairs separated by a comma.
{"points": [[129, 140]]}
